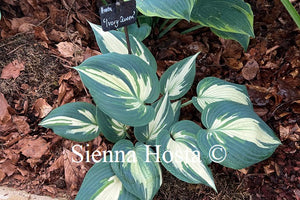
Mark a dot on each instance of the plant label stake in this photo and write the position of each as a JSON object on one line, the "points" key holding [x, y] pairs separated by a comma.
{"points": [[117, 15]]}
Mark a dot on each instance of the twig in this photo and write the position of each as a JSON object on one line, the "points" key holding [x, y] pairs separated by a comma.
{"points": [[65, 60], [272, 49], [16, 49], [43, 21]]}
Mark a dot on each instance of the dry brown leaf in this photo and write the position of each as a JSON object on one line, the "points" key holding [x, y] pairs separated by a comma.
{"points": [[12, 138], [2, 175], [269, 169], [58, 164], [261, 111], [65, 77], [4, 114], [26, 27], [57, 36], [74, 172], [66, 49], [89, 53], [250, 70], [83, 30], [71, 177], [42, 108], [33, 148], [33, 162], [284, 132], [23, 172], [16, 23], [40, 33], [8, 168], [244, 171], [68, 96], [18, 177], [13, 155], [62, 92], [233, 63], [12, 70], [65, 93], [197, 46], [50, 189], [22, 125]]}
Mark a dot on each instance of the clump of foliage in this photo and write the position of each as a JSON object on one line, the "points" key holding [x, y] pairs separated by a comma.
{"points": [[127, 93], [229, 19]]}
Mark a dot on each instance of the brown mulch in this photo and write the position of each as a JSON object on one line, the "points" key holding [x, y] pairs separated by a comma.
{"points": [[42, 40]]}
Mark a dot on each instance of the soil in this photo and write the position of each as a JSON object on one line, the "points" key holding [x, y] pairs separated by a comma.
{"points": [[39, 49]]}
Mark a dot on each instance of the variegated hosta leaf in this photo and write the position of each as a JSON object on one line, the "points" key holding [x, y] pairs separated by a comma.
{"points": [[243, 39], [115, 41], [138, 168], [212, 89], [139, 32], [168, 9], [120, 86], [101, 183], [180, 155], [164, 117], [178, 79], [176, 106], [112, 130], [75, 121], [242, 138], [234, 16]]}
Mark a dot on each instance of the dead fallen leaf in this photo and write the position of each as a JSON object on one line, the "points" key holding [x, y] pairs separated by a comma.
{"points": [[33, 148], [261, 111], [284, 132], [50, 189], [250, 70], [18, 177], [12, 138], [4, 114], [13, 155], [2, 175], [40, 33], [26, 27], [71, 177], [269, 169], [57, 36], [244, 171], [22, 125], [66, 49], [83, 30], [58, 164], [8, 168], [65, 77], [33, 161], [16, 23], [23, 172], [12, 70], [89, 53], [74, 172], [42, 108]]}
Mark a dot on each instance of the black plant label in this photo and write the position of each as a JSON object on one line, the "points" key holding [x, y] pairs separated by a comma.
{"points": [[117, 15]]}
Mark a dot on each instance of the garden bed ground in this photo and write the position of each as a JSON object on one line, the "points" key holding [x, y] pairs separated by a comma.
{"points": [[41, 42]]}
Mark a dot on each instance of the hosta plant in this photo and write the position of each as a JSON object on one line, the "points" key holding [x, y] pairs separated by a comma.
{"points": [[133, 105], [229, 19]]}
